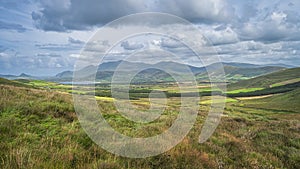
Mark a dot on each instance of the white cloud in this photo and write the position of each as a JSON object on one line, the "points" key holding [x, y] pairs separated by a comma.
{"points": [[75, 41], [97, 46], [220, 35], [131, 45]]}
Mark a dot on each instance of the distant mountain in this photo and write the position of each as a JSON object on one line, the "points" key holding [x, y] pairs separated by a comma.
{"points": [[178, 67], [248, 65], [105, 71], [242, 65], [159, 72], [21, 76], [8, 76], [65, 74], [134, 66], [281, 65], [125, 65]]}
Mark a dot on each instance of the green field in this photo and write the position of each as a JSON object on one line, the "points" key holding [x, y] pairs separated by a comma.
{"points": [[39, 127], [244, 90]]}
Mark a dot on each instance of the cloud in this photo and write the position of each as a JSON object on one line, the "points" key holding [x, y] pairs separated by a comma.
{"points": [[203, 11], [284, 52], [73, 44], [39, 64], [52, 62], [14, 4], [131, 45], [48, 55], [54, 47], [6, 58], [271, 22], [12, 26], [170, 43], [2, 49], [247, 20], [79, 15], [75, 41], [220, 35], [97, 46]]}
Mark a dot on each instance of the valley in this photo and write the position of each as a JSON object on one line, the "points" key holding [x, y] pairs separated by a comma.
{"points": [[259, 127]]}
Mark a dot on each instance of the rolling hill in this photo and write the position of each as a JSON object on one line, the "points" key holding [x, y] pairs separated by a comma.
{"points": [[282, 91], [12, 83], [234, 73], [289, 101], [267, 81]]}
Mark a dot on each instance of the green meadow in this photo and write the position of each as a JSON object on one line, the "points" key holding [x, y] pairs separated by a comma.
{"points": [[39, 127]]}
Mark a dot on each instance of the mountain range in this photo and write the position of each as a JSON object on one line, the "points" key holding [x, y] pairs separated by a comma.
{"points": [[21, 76], [234, 71]]}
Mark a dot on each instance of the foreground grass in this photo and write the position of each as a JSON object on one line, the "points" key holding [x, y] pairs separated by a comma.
{"points": [[39, 129]]}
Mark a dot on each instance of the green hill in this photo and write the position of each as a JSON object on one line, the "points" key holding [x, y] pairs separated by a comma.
{"points": [[12, 83], [267, 81], [248, 92], [234, 73], [289, 101]]}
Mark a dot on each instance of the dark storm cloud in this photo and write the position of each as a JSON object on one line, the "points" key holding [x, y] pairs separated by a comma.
{"points": [[199, 11], [250, 20], [79, 15]]}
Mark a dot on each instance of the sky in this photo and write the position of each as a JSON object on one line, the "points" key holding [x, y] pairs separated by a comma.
{"points": [[45, 37]]}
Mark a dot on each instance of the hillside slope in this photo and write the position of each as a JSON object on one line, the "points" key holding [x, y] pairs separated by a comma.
{"points": [[289, 101], [12, 83], [267, 80], [234, 73]]}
